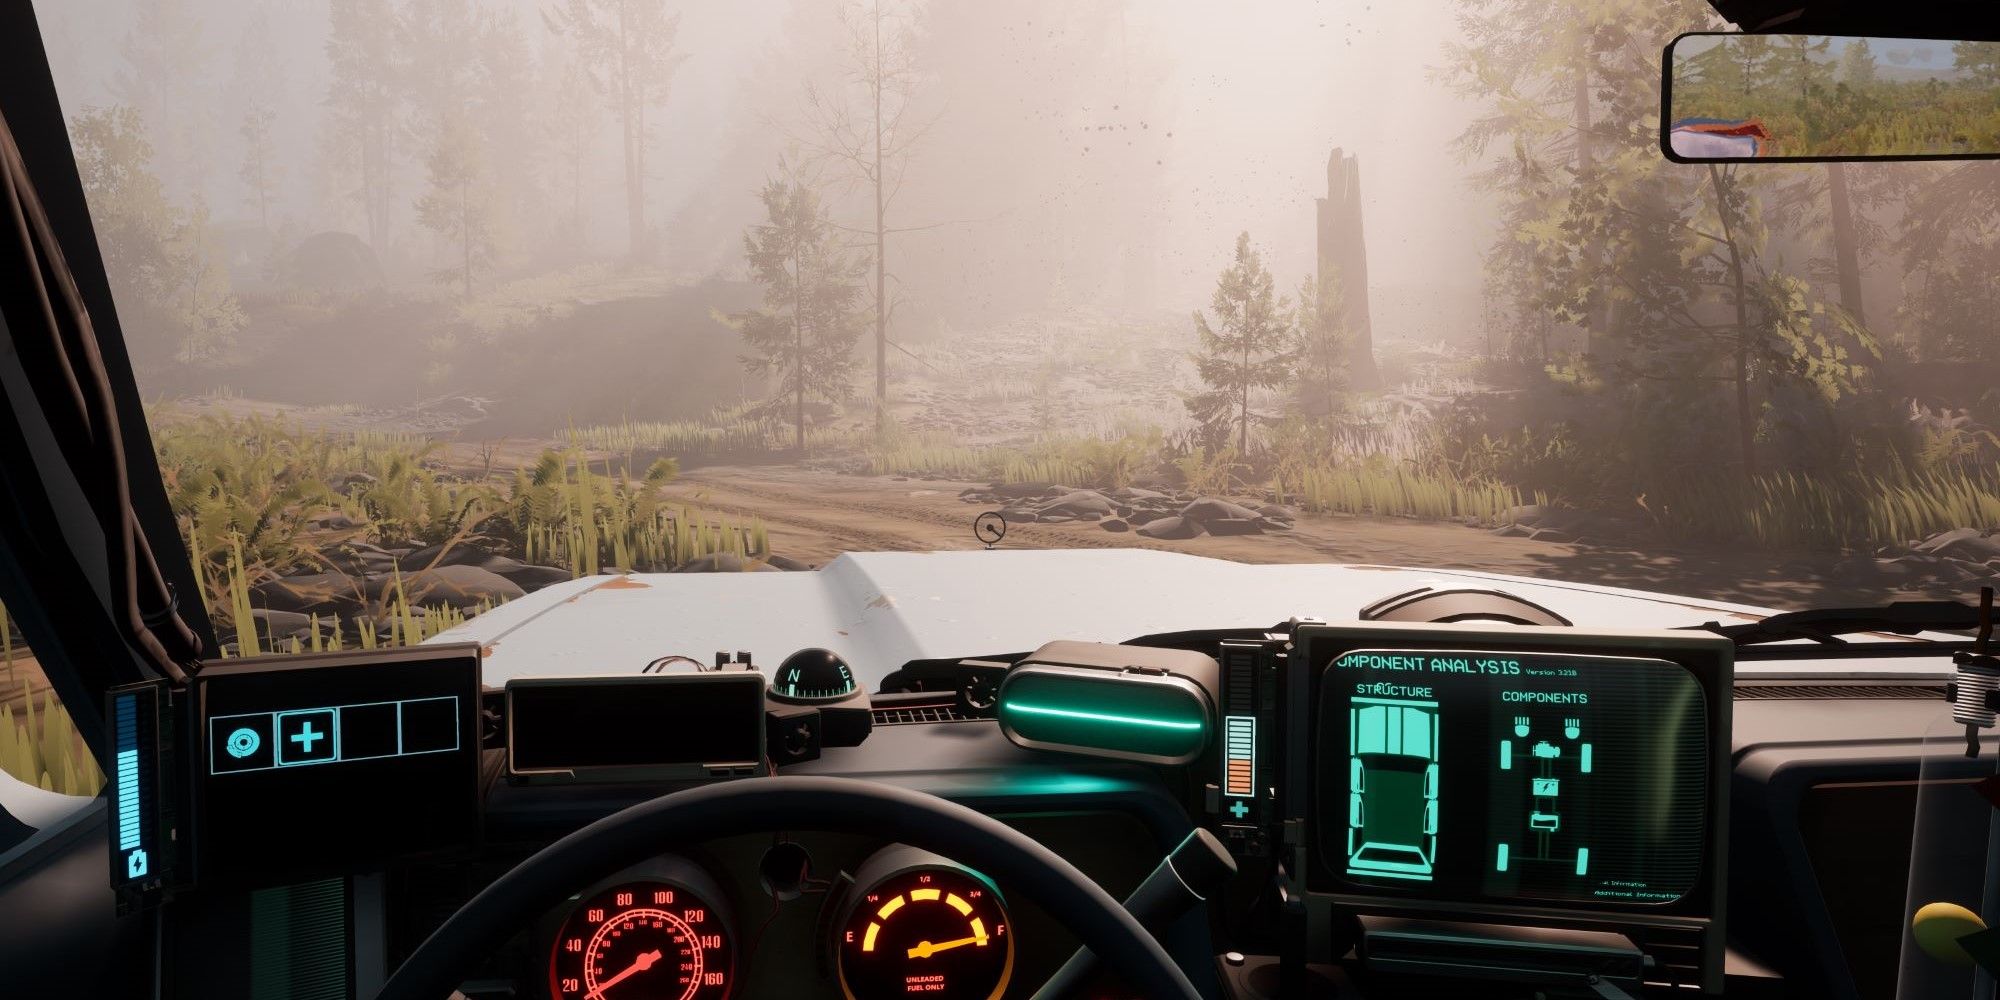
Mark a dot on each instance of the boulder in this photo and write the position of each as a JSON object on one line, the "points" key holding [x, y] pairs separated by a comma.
{"points": [[360, 558], [1961, 543], [458, 586], [527, 576], [325, 593], [461, 554], [1278, 512], [281, 624], [1207, 509], [725, 562], [1145, 516], [1081, 503], [1273, 524], [1114, 524], [786, 563], [1016, 491], [1234, 526], [1171, 528]]}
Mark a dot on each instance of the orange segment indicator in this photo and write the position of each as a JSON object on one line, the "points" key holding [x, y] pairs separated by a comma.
{"points": [[894, 904], [923, 895], [964, 908], [868, 939], [979, 931]]}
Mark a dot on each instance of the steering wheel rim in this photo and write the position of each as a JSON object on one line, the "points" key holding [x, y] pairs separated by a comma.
{"points": [[837, 805]]}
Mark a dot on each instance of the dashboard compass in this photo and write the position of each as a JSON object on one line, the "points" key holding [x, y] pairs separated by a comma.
{"points": [[820, 681], [812, 677]]}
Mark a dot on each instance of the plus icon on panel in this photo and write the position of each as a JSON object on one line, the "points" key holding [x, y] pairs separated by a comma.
{"points": [[1239, 809], [308, 737]]}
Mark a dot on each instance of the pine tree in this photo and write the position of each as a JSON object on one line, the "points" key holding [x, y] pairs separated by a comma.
{"points": [[1248, 347], [457, 204], [806, 331], [1322, 344]]}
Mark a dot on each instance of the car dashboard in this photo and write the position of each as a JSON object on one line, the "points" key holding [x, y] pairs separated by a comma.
{"points": [[1400, 809]]}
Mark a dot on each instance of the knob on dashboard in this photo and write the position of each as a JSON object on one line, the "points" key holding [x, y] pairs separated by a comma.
{"points": [[811, 677]]}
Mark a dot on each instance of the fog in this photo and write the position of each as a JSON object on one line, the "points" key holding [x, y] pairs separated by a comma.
{"points": [[1101, 155]]}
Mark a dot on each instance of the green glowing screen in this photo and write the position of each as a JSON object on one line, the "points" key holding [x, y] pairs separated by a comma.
{"points": [[1519, 776]]}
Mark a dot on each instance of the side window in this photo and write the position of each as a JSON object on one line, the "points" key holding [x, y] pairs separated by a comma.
{"points": [[46, 770]]}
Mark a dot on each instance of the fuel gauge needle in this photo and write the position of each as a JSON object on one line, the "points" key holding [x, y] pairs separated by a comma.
{"points": [[642, 963], [925, 949]]}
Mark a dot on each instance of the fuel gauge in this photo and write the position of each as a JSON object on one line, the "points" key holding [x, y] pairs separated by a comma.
{"points": [[924, 926]]}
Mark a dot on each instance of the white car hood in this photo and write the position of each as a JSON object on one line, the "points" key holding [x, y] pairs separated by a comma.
{"points": [[882, 609]]}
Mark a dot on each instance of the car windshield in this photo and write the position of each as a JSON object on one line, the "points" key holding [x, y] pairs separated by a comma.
{"points": [[438, 303]]}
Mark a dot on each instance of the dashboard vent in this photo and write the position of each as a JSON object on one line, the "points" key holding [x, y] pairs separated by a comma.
{"points": [[919, 714], [1677, 956], [1850, 690]]}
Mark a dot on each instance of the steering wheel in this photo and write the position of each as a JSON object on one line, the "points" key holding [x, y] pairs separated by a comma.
{"points": [[838, 805]]}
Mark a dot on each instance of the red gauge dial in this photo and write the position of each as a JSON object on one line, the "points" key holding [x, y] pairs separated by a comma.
{"points": [[643, 941]]}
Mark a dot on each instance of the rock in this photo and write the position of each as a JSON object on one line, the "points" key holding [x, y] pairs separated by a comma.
{"points": [[786, 563], [462, 554], [326, 593], [1207, 509], [1080, 503], [1171, 528], [1550, 535], [1234, 526], [1054, 519], [1114, 524], [1511, 531], [1527, 513], [1272, 524], [1016, 491], [1145, 516], [1962, 543], [1135, 493], [282, 624], [1019, 515], [527, 576], [458, 586], [1278, 512], [332, 521], [360, 558], [725, 562]]}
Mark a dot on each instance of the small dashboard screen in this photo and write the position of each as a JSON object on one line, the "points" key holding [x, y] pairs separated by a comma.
{"points": [[343, 762], [1551, 777], [635, 722]]}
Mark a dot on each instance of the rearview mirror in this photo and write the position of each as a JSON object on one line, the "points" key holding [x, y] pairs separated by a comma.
{"points": [[1731, 97]]}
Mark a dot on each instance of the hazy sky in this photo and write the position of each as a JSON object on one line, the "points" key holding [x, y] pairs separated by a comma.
{"points": [[1252, 96]]}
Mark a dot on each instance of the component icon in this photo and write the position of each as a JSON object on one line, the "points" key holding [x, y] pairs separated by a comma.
{"points": [[243, 742], [1545, 787], [1547, 750]]}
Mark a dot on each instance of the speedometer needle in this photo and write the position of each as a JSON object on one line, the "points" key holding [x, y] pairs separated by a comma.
{"points": [[925, 949], [642, 963]]}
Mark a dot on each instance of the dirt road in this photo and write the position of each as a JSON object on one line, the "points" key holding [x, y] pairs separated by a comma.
{"points": [[815, 516]]}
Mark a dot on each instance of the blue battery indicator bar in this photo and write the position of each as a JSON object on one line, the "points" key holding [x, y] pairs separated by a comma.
{"points": [[1239, 756], [127, 762]]}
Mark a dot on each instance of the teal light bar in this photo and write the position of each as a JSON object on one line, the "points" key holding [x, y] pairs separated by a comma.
{"points": [[1123, 720]]}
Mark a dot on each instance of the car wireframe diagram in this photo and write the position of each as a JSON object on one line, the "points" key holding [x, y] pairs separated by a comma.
{"points": [[1392, 815]]}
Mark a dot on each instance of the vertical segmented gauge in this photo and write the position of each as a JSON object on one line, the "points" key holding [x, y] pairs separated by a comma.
{"points": [[920, 925]]}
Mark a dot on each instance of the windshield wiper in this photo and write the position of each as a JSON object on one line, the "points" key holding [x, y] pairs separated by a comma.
{"points": [[1824, 627]]}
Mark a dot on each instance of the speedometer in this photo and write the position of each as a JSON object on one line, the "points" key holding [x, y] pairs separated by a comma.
{"points": [[644, 940]]}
